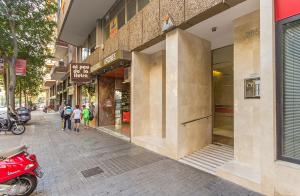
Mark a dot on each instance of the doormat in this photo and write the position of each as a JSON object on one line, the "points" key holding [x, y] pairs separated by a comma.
{"points": [[92, 172]]}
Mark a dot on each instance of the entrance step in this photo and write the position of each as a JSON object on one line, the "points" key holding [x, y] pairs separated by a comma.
{"points": [[113, 133], [209, 158]]}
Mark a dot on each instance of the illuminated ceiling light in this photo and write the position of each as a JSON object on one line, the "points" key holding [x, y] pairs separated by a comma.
{"points": [[217, 73]]}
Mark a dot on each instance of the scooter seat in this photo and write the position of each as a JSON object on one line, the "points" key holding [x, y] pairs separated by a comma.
{"points": [[12, 152]]}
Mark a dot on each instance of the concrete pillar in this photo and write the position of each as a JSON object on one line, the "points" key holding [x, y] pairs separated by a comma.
{"points": [[188, 92], [267, 131]]}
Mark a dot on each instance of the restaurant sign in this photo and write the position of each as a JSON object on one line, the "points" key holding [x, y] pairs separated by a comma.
{"points": [[80, 72]]}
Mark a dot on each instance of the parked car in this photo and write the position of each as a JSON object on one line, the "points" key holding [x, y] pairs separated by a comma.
{"points": [[24, 114]]}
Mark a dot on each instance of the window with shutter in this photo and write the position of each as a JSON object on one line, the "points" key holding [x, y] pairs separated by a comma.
{"points": [[289, 95]]}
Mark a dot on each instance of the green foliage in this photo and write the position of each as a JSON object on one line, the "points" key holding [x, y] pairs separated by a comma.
{"points": [[88, 90], [31, 20], [26, 29]]}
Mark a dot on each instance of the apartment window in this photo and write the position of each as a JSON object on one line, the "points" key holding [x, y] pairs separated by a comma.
{"points": [[131, 9], [85, 52], [121, 18], [114, 19], [288, 89], [142, 4]]}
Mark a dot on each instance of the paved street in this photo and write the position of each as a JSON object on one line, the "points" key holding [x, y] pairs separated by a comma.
{"points": [[127, 169]]}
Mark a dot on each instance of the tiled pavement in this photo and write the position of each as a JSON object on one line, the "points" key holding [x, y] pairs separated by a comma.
{"points": [[128, 169]]}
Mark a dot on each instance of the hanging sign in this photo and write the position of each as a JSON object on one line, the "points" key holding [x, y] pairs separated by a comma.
{"points": [[21, 67], [80, 72]]}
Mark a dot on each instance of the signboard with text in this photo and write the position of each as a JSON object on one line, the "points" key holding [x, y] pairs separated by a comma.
{"points": [[80, 72], [21, 67]]}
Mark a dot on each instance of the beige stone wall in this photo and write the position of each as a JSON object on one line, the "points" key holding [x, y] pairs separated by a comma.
{"points": [[145, 28], [194, 93], [140, 68], [246, 111], [147, 94], [156, 95]]}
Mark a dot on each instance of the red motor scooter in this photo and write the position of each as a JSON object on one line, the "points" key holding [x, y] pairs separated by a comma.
{"points": [[18, 172]]}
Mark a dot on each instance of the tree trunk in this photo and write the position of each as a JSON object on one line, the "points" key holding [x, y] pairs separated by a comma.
{"points": [[20, 96], [12, 67], [26, 101]]}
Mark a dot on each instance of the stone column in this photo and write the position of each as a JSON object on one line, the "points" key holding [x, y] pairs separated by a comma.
{"points": [[188, 92]]}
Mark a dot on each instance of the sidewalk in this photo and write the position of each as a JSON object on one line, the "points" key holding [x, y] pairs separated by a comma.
{"points": [[124, 168]]}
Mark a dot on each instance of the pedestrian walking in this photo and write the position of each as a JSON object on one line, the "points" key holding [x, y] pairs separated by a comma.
{"points": [[67, 117], [92, 111], [61, 112], [76, 115], [86, 116]]}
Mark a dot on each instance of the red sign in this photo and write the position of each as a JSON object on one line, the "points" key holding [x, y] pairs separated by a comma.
{"points": [[286, 8], [21, 67]]}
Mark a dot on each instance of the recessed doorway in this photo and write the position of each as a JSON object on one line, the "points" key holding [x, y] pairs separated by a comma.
{"points": [[223, 117]]}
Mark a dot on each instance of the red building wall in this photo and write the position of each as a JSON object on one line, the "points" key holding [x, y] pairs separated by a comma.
{"points": [[286, 8]]}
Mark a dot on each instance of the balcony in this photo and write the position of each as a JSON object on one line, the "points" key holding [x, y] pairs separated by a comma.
{"points": [[48, 82], [77, 19], [59, 71], [95, 59]]}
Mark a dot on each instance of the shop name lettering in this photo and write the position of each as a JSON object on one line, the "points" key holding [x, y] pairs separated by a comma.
{"points": [[80, 71], [110, 59]]}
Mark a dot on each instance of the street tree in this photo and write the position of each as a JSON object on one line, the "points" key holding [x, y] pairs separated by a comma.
{"points": [[27, 26]]}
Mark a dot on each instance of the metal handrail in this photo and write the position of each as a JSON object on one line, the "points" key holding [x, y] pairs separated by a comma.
{"points": [[187, 122]]}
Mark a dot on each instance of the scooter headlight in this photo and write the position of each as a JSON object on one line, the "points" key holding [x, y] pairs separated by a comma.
{"points": [[29, 166]]}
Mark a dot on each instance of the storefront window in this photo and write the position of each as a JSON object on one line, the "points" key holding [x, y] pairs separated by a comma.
{"points": [[288, 69], [142, 4], [88, 94], [131, 9]]}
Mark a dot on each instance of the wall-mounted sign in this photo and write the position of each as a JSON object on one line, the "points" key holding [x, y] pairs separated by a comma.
{"points": [[168, 23], [252, 88], [21, 67], [80, 72], [113, 27], [111, 58]]}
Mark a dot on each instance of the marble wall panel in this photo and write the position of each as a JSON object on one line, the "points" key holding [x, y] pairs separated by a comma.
{"points": [[151, 21], [195, 7], [173, 7], [111, 45], [136, 31], [123, 36]]}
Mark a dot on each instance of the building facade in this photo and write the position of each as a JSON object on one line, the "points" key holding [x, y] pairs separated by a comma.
{"points": [[177, 76]]}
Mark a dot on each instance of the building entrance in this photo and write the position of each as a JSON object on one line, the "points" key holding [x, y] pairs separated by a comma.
{"points": [[222, 60], [114, 102]]}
